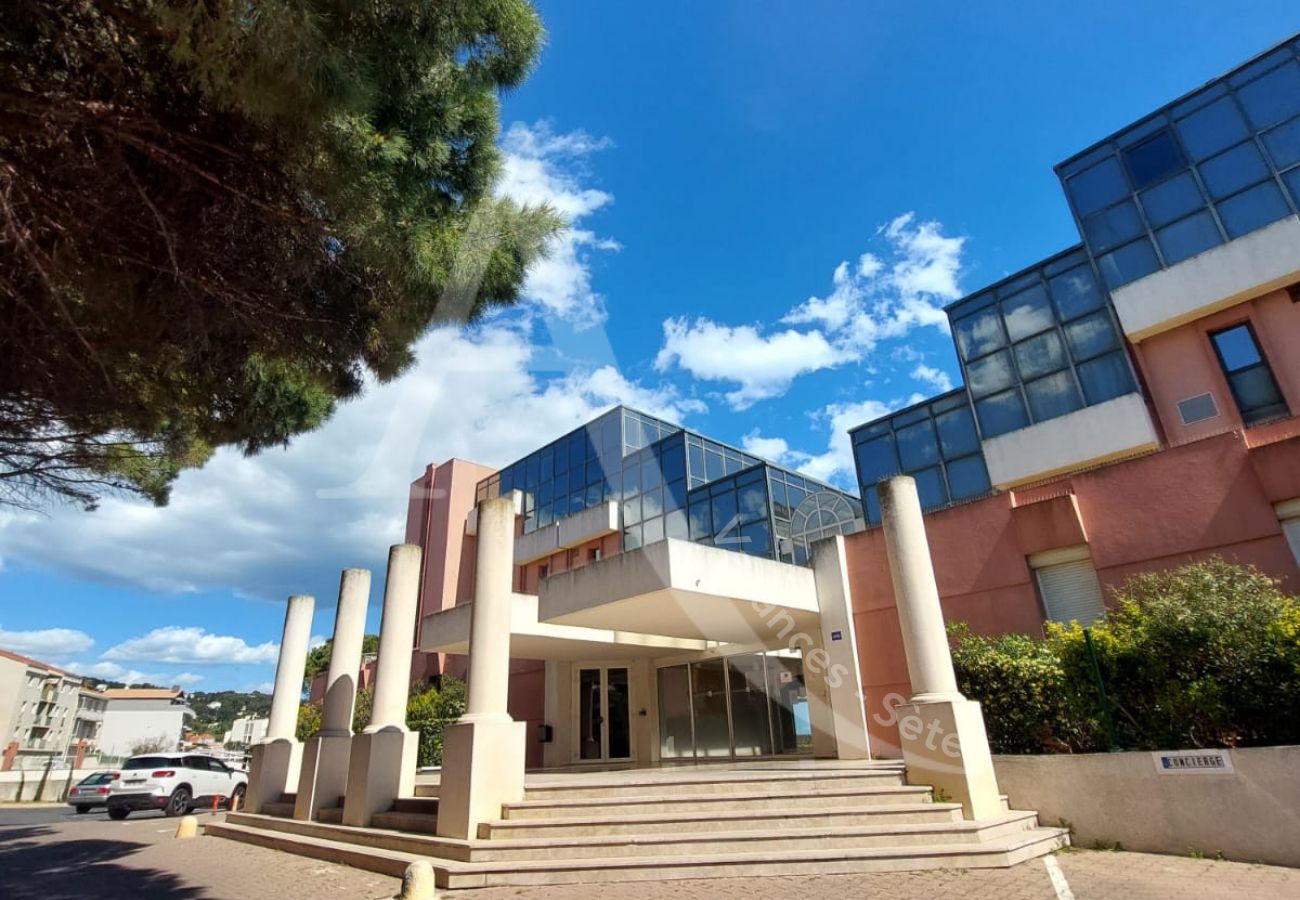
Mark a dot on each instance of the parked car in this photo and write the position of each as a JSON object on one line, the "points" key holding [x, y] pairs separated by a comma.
{"points": [[90, 792], [174, 783]]}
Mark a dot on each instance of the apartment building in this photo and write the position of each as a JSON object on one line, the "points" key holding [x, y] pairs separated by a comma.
{"points": [[44, 711]]}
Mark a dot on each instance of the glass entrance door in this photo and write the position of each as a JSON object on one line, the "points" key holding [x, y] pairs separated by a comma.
{"points": [[604, 713]]}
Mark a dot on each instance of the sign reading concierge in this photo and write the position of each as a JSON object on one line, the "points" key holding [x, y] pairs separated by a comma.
{"points": [[1192, 762]]}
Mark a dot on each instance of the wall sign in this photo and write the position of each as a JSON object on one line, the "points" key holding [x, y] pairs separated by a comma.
{"points": [[837, 635], [1193, 762]]}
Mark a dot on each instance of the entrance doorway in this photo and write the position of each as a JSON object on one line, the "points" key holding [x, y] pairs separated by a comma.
{"points": [[752, 704], [604, 713]]}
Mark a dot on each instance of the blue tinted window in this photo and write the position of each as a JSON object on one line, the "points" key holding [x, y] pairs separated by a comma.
{"points": [[1052, 396], [875, 460], [1274, 97], [1253, 209], [1191, 236], [1075, 293], [673, 463], [631, 510], [1172, 200], [652, 530], [675, 494], [1097, 187], [675, 526], [753, 502], [1128, 263], [1027, 313], [725, 511], [756, 539], [917, 446], [1040, 355], [992, 373], [632, 537], [1091, 335], [652, 502], [1292, 180], [967, 477], [1230, 172], [1153, 159], [871, 504], [701, 524], [1113, 226], [978, 334], [1214, 128], [957, 432], [1237, 348], [1106, 377], [929, 485], [1283, 144], [1001, 413]]}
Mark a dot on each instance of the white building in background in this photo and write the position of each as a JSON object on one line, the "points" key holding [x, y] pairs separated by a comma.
{"points": [[246, 730], [137, 716], [40, 711]]}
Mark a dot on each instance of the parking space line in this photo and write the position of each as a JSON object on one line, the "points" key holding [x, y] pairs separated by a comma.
{"points": [[1059, 884]]}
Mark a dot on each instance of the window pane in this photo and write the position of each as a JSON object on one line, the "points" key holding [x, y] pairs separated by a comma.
{"points": [[1097, 187], [875, 461], [1075, 293], [675, 526], [1237, 348], [652, 502], [632, 537], [695, 459], [929, 484], [967, 477], [701, 523], [1193, 235], [957, 433], [652, 531], [675, 495], [1153, 159], [1040, 355], [724, 512], [1172, 200], [1209, 130], [632, 480], [1253, 209], [713, 466], [1113, 226], [917, 446], [1027, 313], [978, 334], [1292, 180], [1230, 172], [1274, 97], [1001, 413], [1105, 378], [756, 539], [1128, 263], [753, 502], [992, 373], [632, 510], [650, 476], [1091, 336], [1283, 144], [673, 462], [1257, 394]]}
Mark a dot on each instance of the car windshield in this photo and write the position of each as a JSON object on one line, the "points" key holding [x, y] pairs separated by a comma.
{"points": [[99, 778], [148, 762]]}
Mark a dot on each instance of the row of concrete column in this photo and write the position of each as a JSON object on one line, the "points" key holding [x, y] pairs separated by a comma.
{"points": [[336, 766]]}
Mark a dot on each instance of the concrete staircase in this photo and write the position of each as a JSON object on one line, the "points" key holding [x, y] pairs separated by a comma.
{"points": [[676, 823]]}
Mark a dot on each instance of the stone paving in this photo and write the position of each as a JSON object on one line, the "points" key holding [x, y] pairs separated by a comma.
{"points": [[139, 858]]}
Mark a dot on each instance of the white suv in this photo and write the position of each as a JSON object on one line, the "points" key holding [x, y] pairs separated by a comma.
{"points": [[174, 783]]}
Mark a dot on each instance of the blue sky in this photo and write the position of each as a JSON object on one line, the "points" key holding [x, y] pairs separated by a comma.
{"points": [[770, 202]]}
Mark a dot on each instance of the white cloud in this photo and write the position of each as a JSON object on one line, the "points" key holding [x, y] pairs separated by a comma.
{"points": [[764, 365], [936, 378], [187, 679], [542, 167], [176, 644], [266, 687], [45, 643], [835, 464], [874, 300], [110, 671], [316, 640]]}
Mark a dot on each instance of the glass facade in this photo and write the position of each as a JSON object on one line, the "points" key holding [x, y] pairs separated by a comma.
{"points": [[1216, 165], [672, 483], [935, 442], [1040, 344]]}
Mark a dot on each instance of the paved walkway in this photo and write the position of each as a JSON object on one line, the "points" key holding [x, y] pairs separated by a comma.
{"points": [[139, 858]]}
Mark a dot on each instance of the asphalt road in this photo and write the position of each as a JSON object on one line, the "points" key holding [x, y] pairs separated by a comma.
{"points": [[66, 815]]}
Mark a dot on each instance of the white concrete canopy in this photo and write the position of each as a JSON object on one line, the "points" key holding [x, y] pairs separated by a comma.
{"points": [[685, 590], [448, 632]]}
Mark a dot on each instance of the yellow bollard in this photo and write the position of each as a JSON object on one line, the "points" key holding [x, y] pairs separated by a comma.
{"points": [[188, 827]]}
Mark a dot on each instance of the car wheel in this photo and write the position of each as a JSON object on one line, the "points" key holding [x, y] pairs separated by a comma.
{"points": [[82, 810], [178, 804], [118, 813], [237, 797]]}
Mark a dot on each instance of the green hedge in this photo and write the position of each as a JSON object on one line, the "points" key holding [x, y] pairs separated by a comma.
{"points": [[429, 712], [1207, 655]]}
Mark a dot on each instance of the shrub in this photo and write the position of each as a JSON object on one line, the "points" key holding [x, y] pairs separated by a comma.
{"points": [[431, 712], [1206, 655]]}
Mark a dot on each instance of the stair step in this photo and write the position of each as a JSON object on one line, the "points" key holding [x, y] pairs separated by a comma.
{"points": [[423, 844], [670, 845], [416, 805], [701, 784], [839, 797], [722, 820], [331, 815], [999, 852], [424, 823], [283, 809]]}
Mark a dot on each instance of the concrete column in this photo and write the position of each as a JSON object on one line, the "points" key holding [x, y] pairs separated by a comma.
{"points": [[489, 630], [290, 668], [345, 653], [832, 665], [396, 639], [277, 760], [941, 733], [483, 753], [384, 756], [925, 639], [323, 776]]}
